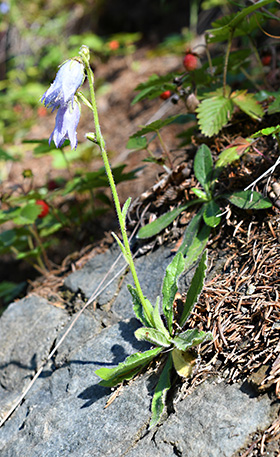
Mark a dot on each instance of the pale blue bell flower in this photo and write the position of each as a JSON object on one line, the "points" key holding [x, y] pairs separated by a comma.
{"points": [[69, 78], [66, 123]]}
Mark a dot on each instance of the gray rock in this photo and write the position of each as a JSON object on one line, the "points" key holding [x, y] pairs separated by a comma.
{"points": [[63, 415], [91, 275]]}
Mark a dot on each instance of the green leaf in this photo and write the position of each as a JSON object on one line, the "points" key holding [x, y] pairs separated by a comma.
{"points": [[28, 214], [191, 233], [197, 246], [248, 199], [162, 387], [267, 131], [226, 157], [214, 113], [152, 335], [10, 290], [199, 193], [191, 338], [233, 22], [121, 246], [137, 144], [211, 212], [50, 228], [156, 125], [125, 208], [274, 107], [194, 289], [157, 320], [248, 104], [138, 308], [203, 167], [169, 287], [163, 221], [127, 369]]}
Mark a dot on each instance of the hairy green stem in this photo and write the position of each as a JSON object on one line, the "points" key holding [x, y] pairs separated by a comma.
{"points": [[100, 141]]}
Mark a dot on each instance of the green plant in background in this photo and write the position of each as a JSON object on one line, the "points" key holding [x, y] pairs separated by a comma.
{"points": [[209, 216], [174, 344]]}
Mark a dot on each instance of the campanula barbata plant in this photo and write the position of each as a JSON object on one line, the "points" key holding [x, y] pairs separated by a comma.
{"points": [[173, 342]]}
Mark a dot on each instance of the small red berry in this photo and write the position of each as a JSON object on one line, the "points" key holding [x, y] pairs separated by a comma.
{"points": [[52, 184], [114, 45], [266, 60], [45, 208], [165, 95], [190, 62]]}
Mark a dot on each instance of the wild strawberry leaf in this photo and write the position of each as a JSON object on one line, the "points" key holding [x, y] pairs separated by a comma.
{"points": [[138, 143], [248, 104], [162, 387], [214, 113], [127, 369]]}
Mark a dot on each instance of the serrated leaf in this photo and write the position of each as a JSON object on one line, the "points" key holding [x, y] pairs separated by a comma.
{"points": [[248, 104], [125, 208], [137, 143], [191, 338], [163, 221], [156, 125], [274, 107], [214, 113], [157, 320], [194, 289], [169, 287], [233, 152], [203, 167], [162, 387], [153, 335], [127, 369], [248, 199], [27, 214], [138, 308], [211, 212]]}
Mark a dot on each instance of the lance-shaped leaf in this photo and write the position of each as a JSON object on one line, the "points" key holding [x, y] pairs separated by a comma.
{"points": [[125, 208], [163, 221], [127, 369], [203, 167], [190, 338], [162, 387], [248, 199], [157, 320], [138, 308], [169, 287], [211, 214], [195, 289], [154, 336], [191, 232]]}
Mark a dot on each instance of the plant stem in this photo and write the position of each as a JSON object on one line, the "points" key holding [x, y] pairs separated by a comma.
{"points": [[100, 141], [166, 152], [226, 61]]}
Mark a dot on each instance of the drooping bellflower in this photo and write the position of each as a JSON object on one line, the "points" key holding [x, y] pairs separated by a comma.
{"points": [[69, 78], [66, 123]]}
